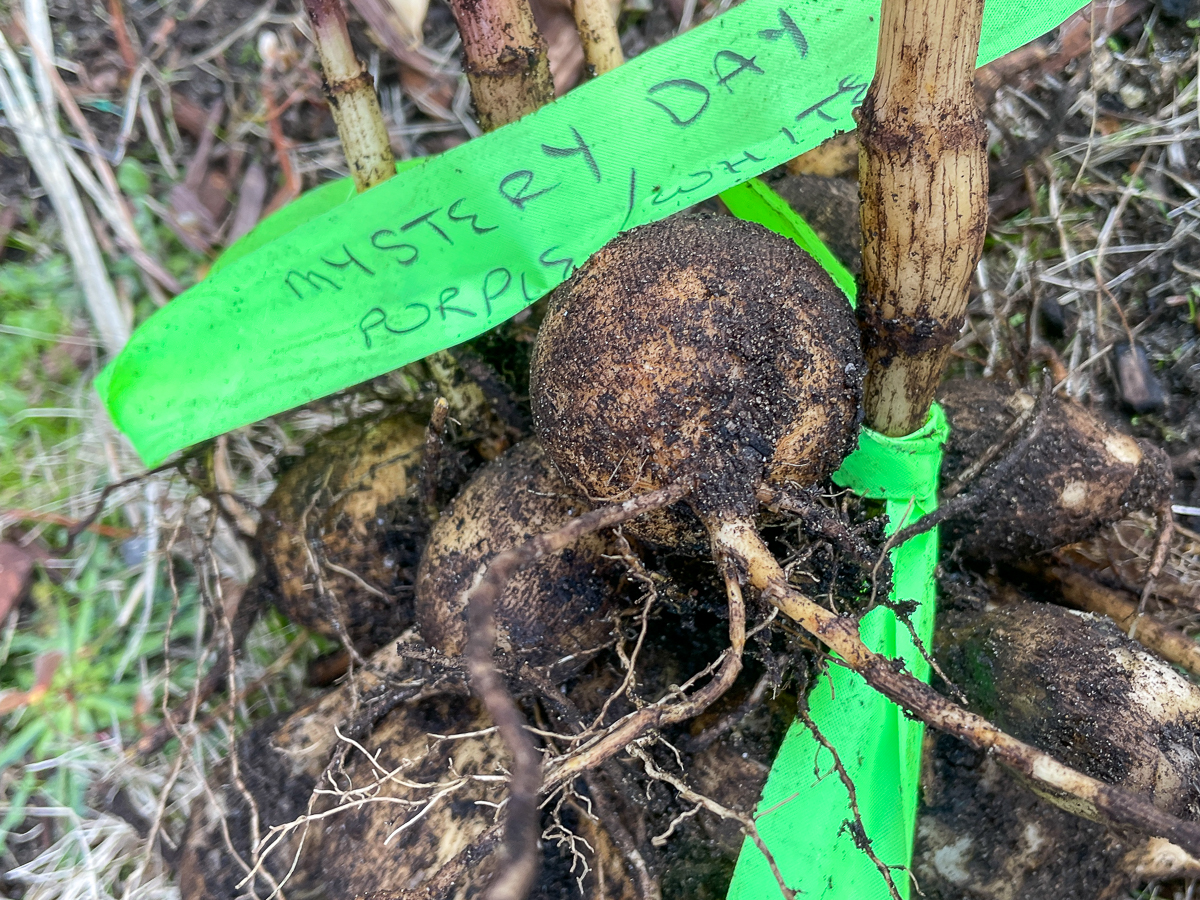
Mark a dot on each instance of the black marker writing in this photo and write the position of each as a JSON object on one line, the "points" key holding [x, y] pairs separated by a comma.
{"points": [[350, 260], [740, 64], [704, 176], [791, 29], [732, 167], [490, 291], [677, 91], [409, 252], [520, 198], [580, 147], [525, 291], [428, 221], [567, 263], [473, 218], [846, 86], [632, 196], [376, 318], [311, 279], [444, 299]]}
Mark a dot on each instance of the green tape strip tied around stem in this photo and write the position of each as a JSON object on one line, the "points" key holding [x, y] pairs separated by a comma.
{"points": [[464, 240], [805, 817]]}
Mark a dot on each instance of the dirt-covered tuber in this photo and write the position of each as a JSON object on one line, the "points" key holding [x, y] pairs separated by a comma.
{"points": [[341, 534], [554, 608], [697, 348], [1077, 475], [1074, 685]]}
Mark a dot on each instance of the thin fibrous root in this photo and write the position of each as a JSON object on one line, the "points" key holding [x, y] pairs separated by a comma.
{"points": [[1098, 801], [515, 877], [749, 827], [663, 713]]}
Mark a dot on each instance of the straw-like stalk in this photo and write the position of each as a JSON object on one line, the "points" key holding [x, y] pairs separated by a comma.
{"points": [[598, 33], [923, 178], [352, 98]]}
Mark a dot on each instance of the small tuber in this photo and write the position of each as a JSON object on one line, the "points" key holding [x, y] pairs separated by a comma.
{"points": [[554, 608]]}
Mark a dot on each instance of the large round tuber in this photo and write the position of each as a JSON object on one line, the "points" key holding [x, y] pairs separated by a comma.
{"points": [[702, 348], [552, 609]]}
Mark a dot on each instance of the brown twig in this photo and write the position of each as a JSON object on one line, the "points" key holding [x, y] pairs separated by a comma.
{"points": [[514, 879], [32, 515], [120, 29], [1162, 546]]}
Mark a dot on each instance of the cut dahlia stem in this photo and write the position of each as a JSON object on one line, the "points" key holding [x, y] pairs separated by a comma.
{"points": [[352, 98], [923, 180], [506, 58], [598, 32]]}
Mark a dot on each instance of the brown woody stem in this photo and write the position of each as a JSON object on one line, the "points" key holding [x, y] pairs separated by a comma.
{"points": [[923, 179], [352, 98], [507, 62]]}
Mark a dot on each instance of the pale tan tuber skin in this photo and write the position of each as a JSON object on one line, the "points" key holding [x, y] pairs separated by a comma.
{"points": [[551, 611], [697, 347]]}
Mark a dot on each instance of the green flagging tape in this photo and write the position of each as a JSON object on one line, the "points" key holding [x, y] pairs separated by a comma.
{"points": [[462, 241], [805, 812], [755, 202], [304, 208]]}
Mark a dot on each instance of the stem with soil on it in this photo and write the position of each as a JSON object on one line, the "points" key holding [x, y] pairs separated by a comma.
{"points": [[506, 59], [1098, 801], [598, 33], [923, 178], [352, 99]]}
